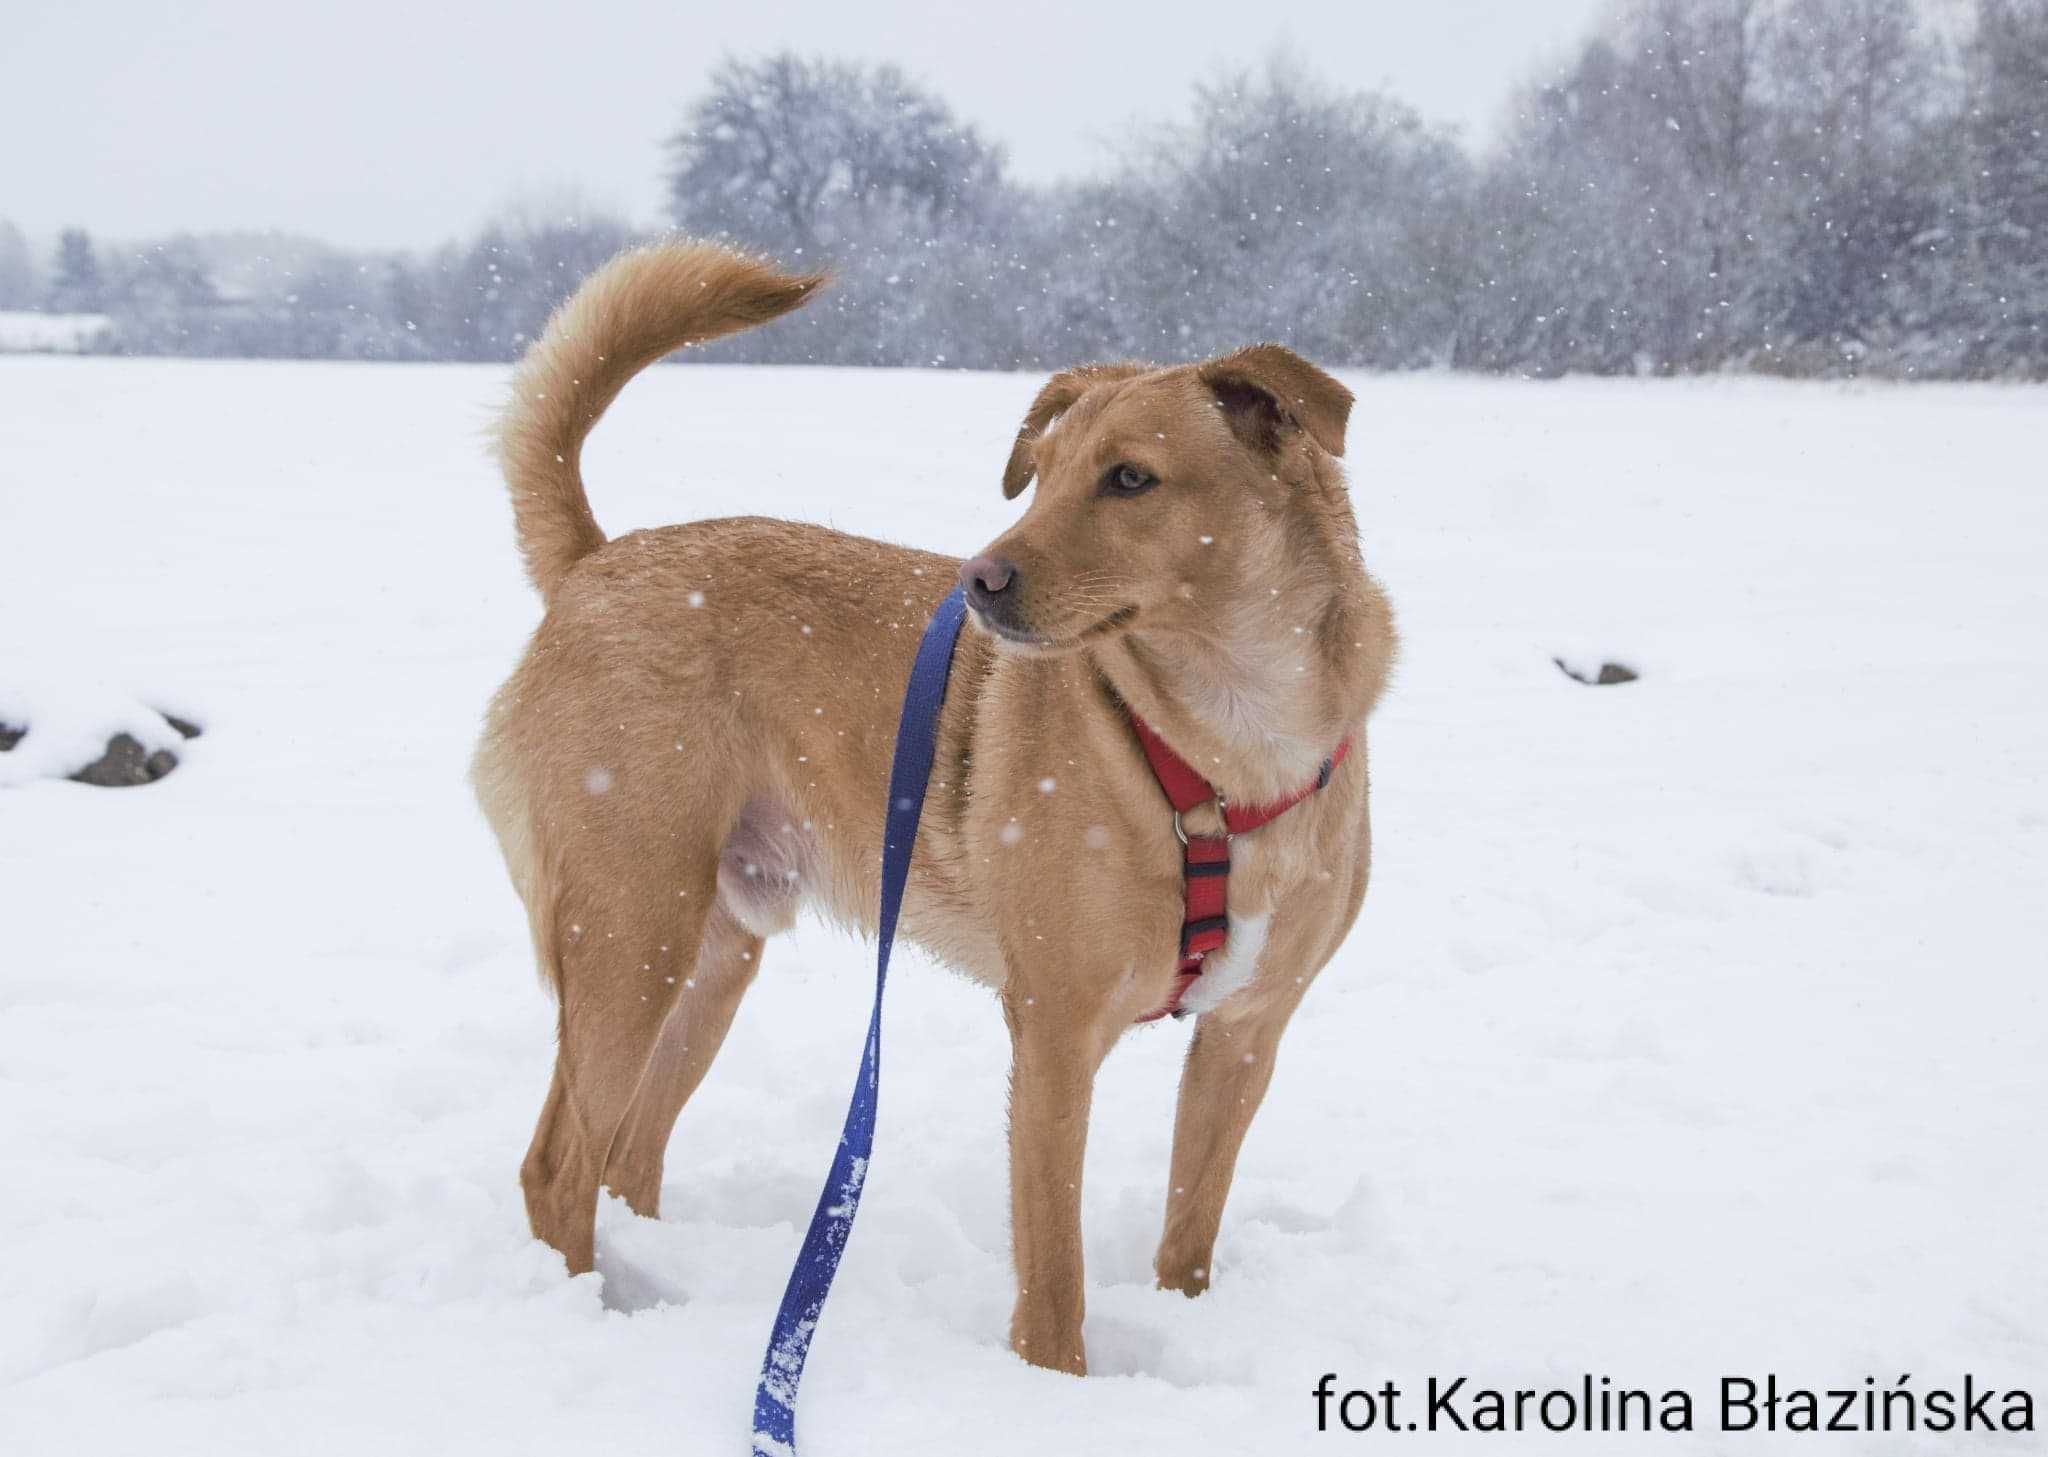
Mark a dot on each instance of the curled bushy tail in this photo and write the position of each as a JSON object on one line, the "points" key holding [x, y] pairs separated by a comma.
{"points": [[645, 303]]}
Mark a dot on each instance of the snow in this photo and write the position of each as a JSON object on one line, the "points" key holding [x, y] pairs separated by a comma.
{"points": [[1694, 1026], [24, 331]]}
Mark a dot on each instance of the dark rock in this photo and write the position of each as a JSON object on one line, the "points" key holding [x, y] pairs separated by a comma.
{"points": [[125, 763], [1609, 673]]}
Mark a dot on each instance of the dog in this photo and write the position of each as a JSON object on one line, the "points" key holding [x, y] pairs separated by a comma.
{"points": [[697, 743]]}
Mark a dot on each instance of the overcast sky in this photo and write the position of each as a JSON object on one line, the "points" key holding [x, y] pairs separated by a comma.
{"points": [[406, 122]]}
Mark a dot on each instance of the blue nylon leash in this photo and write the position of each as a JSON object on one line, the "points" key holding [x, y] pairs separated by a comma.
{"points": [[810, 1279]]}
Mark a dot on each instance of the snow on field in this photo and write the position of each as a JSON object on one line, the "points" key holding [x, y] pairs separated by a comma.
{"points": [[23, 331], [1695, 1026]]}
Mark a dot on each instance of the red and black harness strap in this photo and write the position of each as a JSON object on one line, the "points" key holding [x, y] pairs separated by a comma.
{"points": [[1205, 860]]}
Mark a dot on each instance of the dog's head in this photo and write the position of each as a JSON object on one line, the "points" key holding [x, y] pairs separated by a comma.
{"points": [[1162, 494]]}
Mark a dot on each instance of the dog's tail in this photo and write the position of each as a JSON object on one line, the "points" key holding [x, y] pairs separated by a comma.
{"points": [[642, 305]]}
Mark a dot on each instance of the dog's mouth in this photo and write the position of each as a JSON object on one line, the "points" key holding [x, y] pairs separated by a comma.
{"points": [[1040, 642]]}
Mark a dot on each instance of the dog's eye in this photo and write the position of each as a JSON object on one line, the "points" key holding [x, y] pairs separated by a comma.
{"points": [[1127, 480]]}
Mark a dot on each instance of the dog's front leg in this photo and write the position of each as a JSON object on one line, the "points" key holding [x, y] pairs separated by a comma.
{"points": [[1228, 1066], [1053, 1060]]}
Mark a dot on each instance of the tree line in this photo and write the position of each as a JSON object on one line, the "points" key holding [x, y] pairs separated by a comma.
{"points": [[1812, 187]]}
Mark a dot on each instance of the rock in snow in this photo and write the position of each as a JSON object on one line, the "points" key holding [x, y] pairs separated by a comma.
{"points": [[125, 761], [1583, 670]]}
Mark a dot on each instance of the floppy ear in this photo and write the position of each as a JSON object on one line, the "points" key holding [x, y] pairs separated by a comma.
{"points": [[1268, 386], [1053, 401]]}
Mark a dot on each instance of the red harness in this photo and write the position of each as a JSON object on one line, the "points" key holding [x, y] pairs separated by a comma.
{"points": [[1205, 869]]}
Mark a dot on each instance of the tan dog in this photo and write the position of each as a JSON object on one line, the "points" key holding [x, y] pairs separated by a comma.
{"points": [[698, 739]]}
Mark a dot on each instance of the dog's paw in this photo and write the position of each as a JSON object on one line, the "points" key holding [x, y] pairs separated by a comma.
{"points": [[1190, 1280], [1063, 1353]]}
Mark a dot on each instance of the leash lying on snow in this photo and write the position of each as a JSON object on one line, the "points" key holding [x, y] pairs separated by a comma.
{"points": [[1206, 881], [810, 1280]]}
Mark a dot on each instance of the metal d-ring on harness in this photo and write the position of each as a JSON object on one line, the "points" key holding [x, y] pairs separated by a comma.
{"points": [[1180, 828]]}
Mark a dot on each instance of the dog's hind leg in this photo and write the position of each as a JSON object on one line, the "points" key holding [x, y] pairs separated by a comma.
{"points": [[552, 1178], [764, 869], [712, 987], [615, 1000]]}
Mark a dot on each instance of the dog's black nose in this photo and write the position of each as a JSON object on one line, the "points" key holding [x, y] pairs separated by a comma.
{"points": [[989, 582]]}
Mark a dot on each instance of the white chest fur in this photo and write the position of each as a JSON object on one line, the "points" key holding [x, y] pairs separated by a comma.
{"points": [[1231, 968]]}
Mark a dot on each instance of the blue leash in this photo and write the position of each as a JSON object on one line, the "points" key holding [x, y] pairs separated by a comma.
{"points": [[810, 1279]]}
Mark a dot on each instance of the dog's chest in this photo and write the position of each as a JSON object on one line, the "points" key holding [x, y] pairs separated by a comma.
{"points": [[1232, 967], [1277, 891]]}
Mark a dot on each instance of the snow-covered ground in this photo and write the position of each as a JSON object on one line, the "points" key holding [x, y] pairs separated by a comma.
{"points": [[1694, 1026], [24, 331]]}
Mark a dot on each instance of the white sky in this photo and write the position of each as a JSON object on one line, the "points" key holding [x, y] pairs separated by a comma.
{"points": [[405, 122]]}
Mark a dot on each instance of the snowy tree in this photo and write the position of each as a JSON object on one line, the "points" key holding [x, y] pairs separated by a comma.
{"points": [[801, 156], [172, 274], [2003, 212], [1801, 186], [490, 298], [1852, 87], [1281, 210], [76, 286], [827, 163], [17, 269], [1688, 92], [1580, 226], [161, 298], [1795, 185]]}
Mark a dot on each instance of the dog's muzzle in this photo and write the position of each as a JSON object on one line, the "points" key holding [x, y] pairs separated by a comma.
{"points": [[994, 588]]}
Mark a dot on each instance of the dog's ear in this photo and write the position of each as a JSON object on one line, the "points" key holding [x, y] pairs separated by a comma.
{"points": [[1053, 401], [1267, 387]]}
